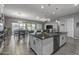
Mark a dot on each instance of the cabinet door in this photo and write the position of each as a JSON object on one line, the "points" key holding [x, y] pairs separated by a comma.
{"points": [[47, 46], [62, 39], [39, 46], [32, 42]]}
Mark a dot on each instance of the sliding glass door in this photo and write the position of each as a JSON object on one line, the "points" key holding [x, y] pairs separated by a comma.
{"points": [[18, 26], [26, 26]]}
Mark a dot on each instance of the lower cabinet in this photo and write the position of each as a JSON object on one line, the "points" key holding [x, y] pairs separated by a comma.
{"points": [[39, 46], [48, 46], [42, 47], [32, 43], [63, 39]]}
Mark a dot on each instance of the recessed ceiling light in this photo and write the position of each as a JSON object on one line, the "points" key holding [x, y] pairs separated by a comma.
{"points": [[57, 8], [49, 4], [42, 7], [53, 12], [76, 4]]}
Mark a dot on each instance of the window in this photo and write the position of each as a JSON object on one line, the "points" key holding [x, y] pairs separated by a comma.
{"points": [[29, 26], [15, 26], [33, 26], [1, 27], [18, 26], [22, 26]]}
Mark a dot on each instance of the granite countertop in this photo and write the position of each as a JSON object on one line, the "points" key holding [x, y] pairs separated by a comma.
{"points": [[48, 35]]}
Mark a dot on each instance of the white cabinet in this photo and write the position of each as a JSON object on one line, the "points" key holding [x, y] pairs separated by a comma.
{"points": [[36, 45], [32, 42], [41, 47], [48, 46], [44, 47], [63, 39]]}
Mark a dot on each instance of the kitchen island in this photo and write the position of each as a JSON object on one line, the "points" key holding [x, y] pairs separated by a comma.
{"points": [[47, 43]]}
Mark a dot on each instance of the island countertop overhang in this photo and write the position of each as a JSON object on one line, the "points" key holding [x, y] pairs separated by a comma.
{"points": [[48, 35]]}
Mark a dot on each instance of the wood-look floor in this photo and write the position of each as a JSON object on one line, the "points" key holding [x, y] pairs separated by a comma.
{"points": [[71, 48], [18, 46], [15, 46]]}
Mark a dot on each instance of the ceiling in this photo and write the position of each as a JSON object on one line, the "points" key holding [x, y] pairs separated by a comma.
{"points": [[37, 13]]}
